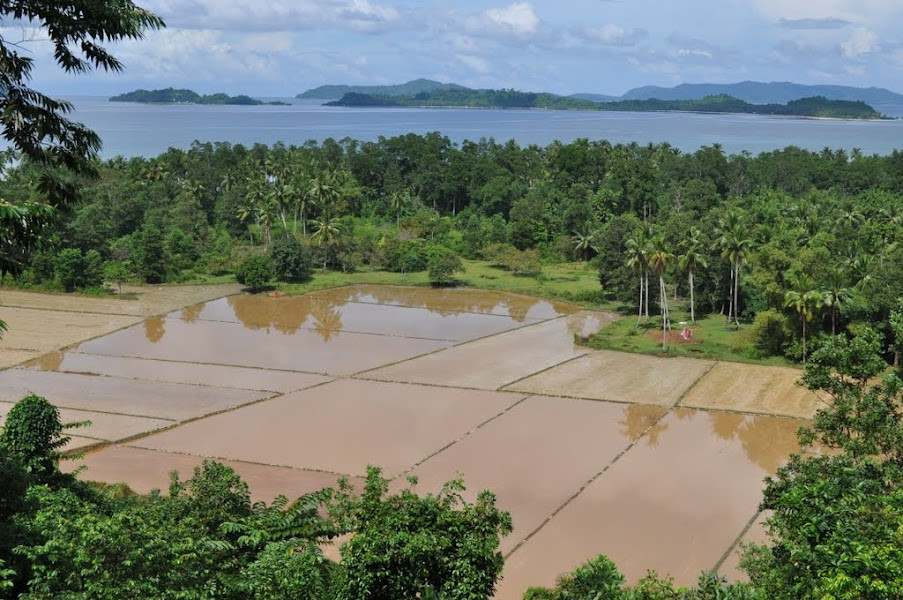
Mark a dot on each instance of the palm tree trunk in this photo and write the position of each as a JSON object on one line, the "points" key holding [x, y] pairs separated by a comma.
{"points": [[834, 319], [640, 309], [663, 299], [647, 295], [692, 300], [804, 339], [730, 296], [737, 296]]}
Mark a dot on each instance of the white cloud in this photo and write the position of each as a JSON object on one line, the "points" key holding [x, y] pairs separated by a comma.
{"points": [[694, 52], [611, 35], [278, 15], [519, 18], [474, 63], [861, 42]]}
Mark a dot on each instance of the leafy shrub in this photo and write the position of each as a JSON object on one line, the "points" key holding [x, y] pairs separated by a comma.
{"points": [[405, 544], [442, 268], [403, 256], [33, 435], [254, 271], [74, 270], [770, 331], [292, 261]]}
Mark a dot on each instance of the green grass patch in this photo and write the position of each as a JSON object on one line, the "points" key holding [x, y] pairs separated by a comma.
{"points": [[713, 339]]}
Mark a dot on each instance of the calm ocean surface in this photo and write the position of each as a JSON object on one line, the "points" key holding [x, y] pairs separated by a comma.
{"points": [[129, 129]]}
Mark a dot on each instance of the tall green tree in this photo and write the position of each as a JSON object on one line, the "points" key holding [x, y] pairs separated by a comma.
{"points": [[804, 299], [659, 258], [691, 260]]}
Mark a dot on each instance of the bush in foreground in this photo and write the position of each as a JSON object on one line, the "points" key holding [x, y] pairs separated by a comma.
{"points": [[255, 271], [292, 261]]}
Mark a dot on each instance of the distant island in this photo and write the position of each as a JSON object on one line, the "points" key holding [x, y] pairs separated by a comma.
{"points": [[411, 88], [818, 106], [183, 96], [754, 92]]}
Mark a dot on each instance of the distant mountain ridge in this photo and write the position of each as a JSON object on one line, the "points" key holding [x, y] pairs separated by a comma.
{"points": [[756, 92], [411, 88]]}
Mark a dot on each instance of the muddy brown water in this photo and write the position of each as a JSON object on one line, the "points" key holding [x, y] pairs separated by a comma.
{"points": [[293, 392]]}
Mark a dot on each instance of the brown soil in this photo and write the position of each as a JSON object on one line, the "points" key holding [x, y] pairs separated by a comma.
{"points": [[673, 338]]}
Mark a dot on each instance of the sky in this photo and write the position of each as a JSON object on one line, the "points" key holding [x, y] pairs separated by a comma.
{"points": [[283, 47]]}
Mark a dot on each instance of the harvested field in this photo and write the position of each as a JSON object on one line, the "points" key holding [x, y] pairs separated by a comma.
{"points": [[619, 377], [753, 389]]}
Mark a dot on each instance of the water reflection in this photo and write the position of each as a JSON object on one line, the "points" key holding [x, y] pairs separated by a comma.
{"points": [[155, 329], [639, 418], [52, 361], [767, 441], [451, 301], [190, 314]]}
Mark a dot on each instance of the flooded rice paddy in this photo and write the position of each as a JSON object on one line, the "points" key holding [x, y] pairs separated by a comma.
{"points": [[656, 462]]}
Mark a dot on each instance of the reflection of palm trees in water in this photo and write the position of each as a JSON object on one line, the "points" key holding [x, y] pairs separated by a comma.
{"points": [[327, 318], [639, 418], [289, 314], [155, 329]]}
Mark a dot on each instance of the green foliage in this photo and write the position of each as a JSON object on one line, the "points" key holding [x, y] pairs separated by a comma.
{"points": [[152, 252], [405, 544], [290, 571], [33, 435], [292, 261], [837, 520], [117, 271], [599, 579], [442, 267], [74, 270], [255, 271], [770, 332]]}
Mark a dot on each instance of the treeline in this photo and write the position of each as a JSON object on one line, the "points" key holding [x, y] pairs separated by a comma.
{"points": [[791, 240]]}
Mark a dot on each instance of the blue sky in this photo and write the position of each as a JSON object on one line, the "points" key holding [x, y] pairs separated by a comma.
{"points": [[282, 47]]}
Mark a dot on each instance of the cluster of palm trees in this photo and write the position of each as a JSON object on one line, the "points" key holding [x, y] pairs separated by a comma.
{"points": [[806, 299], [273, 190], [648, 253]]}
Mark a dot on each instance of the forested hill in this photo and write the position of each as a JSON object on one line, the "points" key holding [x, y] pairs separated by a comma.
{"points": [[758, 92], [185, 96], [417, 86], [806, 107]]}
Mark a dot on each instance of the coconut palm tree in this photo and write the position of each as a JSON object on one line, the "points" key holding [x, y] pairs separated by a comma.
{"points": [[583, 243], [804, 300], [836, 295], [691, 261], [659, 257], [638, 261], [326, 235], [735, 247], [397, 202]]}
